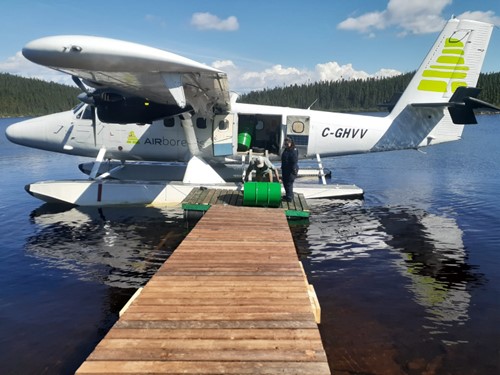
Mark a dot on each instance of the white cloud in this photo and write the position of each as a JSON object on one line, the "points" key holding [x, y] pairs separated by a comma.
{"points": [[224, 65], [207, 21], [244, 81], [488, 16], [332, 71], [385, 73], [411, 17], [364, 23], [19, 65]]}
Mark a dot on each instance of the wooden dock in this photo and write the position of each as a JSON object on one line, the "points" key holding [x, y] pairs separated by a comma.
{"points": [[201, 199], [231, 299]]}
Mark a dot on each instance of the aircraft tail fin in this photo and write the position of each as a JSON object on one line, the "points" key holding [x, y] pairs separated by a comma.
{"points": [[454, 61]]}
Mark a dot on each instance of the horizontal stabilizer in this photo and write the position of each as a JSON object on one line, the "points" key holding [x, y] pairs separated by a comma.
{"points": [[462, 105]]}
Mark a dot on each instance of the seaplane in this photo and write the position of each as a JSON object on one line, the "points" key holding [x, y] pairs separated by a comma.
{"points": [[157, 124]]}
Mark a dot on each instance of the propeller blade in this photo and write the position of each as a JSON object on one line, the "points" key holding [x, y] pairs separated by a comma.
{"points": [[80, 84]]}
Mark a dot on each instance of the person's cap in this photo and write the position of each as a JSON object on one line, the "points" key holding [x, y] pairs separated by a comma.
{"points": [[260, 162], [288, 139]]}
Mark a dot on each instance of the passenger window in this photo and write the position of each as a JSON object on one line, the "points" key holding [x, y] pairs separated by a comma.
{"points": [[298, 127], [223, 125], [169, 122], [201, 123]]}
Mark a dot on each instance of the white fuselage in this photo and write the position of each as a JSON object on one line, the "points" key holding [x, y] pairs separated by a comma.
{"points": [[327, 134]]}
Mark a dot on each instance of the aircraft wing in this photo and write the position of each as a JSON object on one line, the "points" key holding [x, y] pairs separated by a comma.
{"points": [[135, 70]]}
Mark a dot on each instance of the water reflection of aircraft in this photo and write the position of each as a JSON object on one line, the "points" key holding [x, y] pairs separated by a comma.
{"points": [[144, 104], [110, 245], [431, 253], [434, 259]]}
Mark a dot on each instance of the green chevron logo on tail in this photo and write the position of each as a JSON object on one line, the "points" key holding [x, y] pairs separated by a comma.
{"points": [[449, 66]]}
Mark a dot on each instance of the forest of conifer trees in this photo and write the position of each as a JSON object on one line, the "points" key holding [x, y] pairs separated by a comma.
{"points": [[354, 95], [32, 97]]}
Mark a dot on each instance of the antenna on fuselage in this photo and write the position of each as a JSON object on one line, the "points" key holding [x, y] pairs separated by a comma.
{"points": [[313, 103]]}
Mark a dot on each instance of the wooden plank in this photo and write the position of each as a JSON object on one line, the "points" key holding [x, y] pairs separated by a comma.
{"points": [[303, 203], [234, 197], [232, 334], [221, 324], [212, 344], [203, 367], [215, 196], [221, 309], [207, 354], [191, 197], [203, 194], [231, 299]]}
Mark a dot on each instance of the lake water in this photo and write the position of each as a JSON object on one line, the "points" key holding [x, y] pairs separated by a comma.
{"points": [[408, 279]]}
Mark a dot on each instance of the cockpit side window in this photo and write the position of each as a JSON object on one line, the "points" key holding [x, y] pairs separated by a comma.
{"points": [[83, 112], [78, 107], [87, 113]]}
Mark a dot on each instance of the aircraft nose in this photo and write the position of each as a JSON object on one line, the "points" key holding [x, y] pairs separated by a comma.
{"points": [[45, 132], [26, 133], [17, 132]]}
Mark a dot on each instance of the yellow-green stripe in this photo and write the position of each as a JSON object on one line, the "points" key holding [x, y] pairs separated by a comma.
{"points": [[453, 51], [450, 60], [449, 67], [455, 85], [431, 85], [443, 74]]}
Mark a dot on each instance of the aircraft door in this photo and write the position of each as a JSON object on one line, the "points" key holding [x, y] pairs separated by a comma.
{"points": [[83, 130], [223, 134], [297, 128]]}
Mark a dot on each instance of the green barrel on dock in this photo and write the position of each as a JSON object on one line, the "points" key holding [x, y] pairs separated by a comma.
{"points": [[262, 194]]}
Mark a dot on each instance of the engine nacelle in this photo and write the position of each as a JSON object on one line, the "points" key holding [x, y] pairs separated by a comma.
{"points": [[135, 110]]}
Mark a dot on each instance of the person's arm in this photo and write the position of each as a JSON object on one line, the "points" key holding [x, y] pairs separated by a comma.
{"points": [[249, 170], [272, 169], [295, 157]]}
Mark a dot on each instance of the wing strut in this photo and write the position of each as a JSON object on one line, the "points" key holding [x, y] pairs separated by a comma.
{"points": [[198, 171], [192, 141], [97, 164], [174, 85]]}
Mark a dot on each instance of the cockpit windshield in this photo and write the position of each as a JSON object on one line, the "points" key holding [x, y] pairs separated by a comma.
{"points": [[83, 111], [77, 107]]}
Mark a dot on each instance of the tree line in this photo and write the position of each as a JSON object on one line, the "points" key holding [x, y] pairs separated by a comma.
{"points": [[33, 97], [354, 95], [20, 97]]}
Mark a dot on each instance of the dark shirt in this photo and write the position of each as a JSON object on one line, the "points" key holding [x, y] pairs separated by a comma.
{"points": [[289, 162]]}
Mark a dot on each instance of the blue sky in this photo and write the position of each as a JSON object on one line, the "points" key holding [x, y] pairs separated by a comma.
{"points": [[259, 43]]}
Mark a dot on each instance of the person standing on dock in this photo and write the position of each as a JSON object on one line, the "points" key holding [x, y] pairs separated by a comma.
{"points": [[263, 169], [289, 167]]}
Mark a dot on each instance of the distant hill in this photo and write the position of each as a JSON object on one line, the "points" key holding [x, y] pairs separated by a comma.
{"points": [[33, 97], [355, 95]]}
